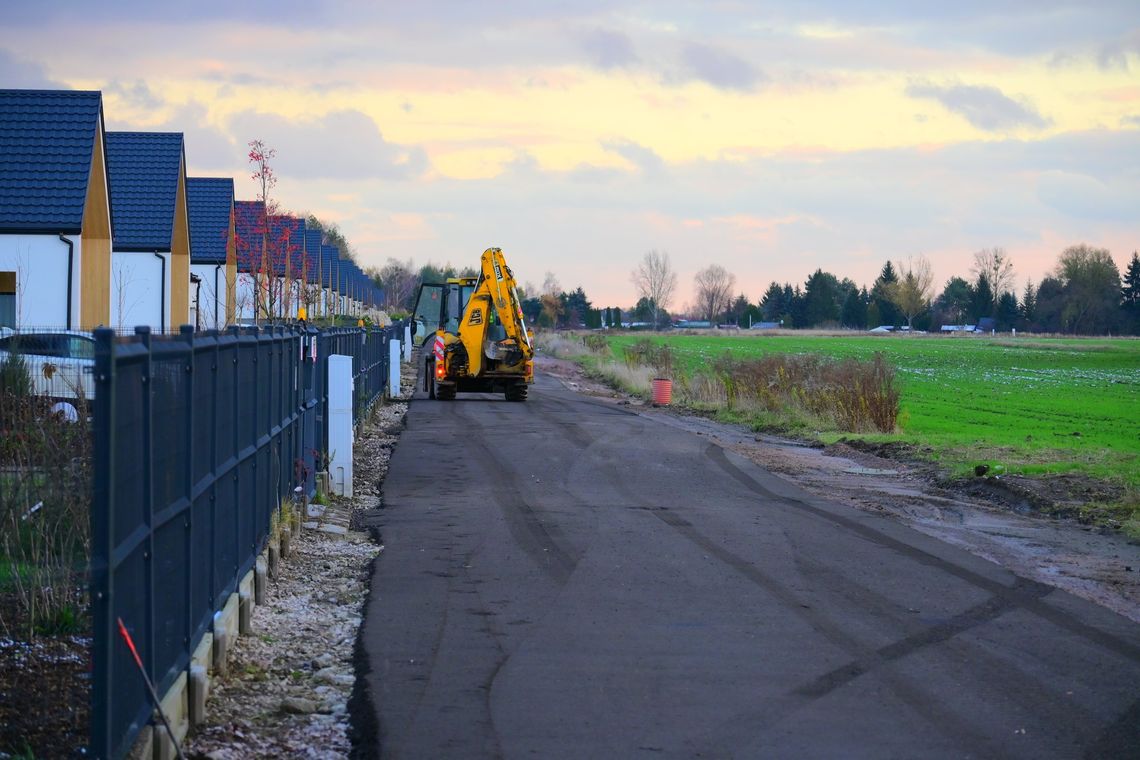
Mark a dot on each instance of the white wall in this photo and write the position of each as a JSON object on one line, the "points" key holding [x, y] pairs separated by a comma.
{"points": [[137, 290], [40, 264], [211, 295], [245, 301]]}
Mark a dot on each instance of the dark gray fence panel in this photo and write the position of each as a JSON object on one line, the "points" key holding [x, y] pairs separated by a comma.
{"points": [[198, 439]]}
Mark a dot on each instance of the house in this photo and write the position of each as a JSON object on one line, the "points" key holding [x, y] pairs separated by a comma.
{"points": [[213, 250], [55, 210], [330, 258], [249, 242], [285, 243], [314, 303], [150, 258]]}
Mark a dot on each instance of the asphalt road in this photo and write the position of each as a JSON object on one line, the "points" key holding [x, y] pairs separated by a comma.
{"points": [[566, 578]]}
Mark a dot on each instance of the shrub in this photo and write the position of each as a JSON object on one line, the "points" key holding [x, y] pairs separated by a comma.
{"points": [[850, 394]]}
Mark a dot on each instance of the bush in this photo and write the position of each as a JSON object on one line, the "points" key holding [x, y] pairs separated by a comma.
{"points": [[45, 497], [850, 394]]}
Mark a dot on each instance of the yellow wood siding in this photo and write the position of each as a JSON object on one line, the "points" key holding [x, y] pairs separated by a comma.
{"points": [[95, 250], [180, 258], [231, 271]]}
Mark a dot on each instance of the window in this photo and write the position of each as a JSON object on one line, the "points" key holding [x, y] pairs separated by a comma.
{"points": [[7, 299]]}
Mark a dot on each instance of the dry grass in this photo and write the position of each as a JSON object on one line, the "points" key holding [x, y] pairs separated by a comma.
{"points": [[849, 395]]}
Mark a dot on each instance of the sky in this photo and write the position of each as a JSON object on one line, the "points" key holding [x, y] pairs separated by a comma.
{"points": [[770, 138]]}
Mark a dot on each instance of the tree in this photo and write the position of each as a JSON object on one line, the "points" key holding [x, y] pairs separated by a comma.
{"points": [[736, 310], [821, 299], [772, 304], [1092, 289], [552, 304], [1130, 295], [1027, 309], [911, 292], [983, 300], [955, 302], [853, 314], [714, 291], [996, 265], [656, 281], [1050, 304], [399, 280], [888, 312], [576, 307], [266, 290], [1007, 311]]}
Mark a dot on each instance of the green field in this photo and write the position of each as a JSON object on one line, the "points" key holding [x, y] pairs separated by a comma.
{"points": [[1032, 405]]}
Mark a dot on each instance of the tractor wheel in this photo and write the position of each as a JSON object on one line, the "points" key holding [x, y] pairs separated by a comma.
{"points": [[445, 392], [516, 393], [429, 378]]}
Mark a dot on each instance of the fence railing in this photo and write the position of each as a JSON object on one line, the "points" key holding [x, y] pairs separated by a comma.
{"points": [[198, 440]]}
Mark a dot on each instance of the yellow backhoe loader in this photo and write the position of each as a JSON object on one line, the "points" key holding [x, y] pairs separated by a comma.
{"points": [[475, 334]]}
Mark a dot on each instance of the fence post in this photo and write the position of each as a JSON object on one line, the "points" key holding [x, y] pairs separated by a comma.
{"points": [[187, 334], [102, 543], [143, 336]]}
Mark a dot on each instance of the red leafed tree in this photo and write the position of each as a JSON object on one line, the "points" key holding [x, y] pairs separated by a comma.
{"points": [[271, 262]]}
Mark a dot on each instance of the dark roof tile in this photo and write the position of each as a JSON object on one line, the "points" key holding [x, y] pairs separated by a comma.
{"points": [[211, 201], [143, 170], [46, 143]]}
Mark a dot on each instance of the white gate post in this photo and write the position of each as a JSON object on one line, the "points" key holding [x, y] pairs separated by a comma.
{"points": [[340, 424], [393, 368]]}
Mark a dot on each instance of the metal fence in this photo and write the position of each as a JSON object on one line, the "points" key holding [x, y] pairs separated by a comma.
{"points": [[198, 440]]}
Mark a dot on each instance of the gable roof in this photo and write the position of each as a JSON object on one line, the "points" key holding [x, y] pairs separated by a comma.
{"points": [[249, 231], [313, 246], [330, 258], [47, 138], [211, 202], [143, 170]]}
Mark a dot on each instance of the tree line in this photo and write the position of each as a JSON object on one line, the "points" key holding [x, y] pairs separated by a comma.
{"points": [[1084, 294]]}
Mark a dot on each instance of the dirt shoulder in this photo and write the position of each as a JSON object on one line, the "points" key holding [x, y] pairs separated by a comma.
{"points": [[1001, 519]]}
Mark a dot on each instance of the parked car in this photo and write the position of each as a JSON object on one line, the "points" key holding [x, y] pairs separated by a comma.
{"points": [[60, 364]]}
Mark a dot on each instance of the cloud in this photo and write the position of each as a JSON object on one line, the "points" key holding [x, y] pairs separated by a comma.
{"points": [[983, 106], [608, 49], [136, 95], [340, 145], [720, 68], [1085, 197], [15, 72], [1130, 121], [645, 159]]}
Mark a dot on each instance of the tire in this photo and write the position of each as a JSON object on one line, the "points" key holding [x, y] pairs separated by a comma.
{"points": [[516, 393], [429, 378], [445, 392]]}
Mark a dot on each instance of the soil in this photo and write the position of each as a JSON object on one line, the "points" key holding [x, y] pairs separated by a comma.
{"points": [[1024, 524], [44, 696]]}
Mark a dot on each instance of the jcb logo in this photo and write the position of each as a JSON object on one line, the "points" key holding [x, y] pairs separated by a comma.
{"points": [[476, 317], [498, 272]]}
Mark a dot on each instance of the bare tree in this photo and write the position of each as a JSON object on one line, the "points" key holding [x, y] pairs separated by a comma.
{"points": [[655, 281], [996, 265], [399, 279], [911, 292], [714, 291]]}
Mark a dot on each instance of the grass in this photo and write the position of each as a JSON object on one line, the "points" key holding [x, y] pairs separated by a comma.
{"points": [[1034, 406]]}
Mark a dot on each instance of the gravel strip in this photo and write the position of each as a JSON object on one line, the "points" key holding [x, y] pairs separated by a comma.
{"points": [[289, 683]]}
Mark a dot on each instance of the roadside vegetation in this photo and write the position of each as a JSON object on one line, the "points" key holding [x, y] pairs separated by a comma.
{"points": [[45, 492], [1036, 407]]}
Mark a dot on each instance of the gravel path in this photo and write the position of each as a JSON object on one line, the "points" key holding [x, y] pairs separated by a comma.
{"points": [[289, 684]]}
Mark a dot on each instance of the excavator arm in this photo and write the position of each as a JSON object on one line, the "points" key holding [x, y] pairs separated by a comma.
{"points": [[493, 328]]}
